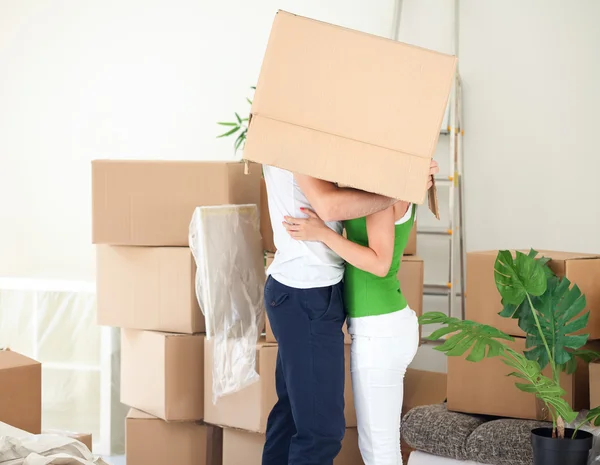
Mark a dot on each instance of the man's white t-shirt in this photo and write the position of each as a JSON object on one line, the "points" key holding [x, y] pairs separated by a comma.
{"points": [[297, 264]]}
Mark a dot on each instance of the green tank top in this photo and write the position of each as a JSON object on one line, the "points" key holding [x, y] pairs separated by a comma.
{"points": [[364, 293]]}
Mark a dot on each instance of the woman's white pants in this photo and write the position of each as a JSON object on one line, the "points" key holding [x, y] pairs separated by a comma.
{"points": [[382, 348]]}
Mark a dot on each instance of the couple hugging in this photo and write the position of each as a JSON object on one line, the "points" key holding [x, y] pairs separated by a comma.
{"points": [[317, 281]]}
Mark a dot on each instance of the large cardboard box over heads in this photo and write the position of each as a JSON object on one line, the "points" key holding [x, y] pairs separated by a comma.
{"points": [[349, 107]]}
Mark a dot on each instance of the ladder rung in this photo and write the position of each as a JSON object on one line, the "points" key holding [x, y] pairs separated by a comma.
{"points": [[439, 342], [445, 287], [435, 231], [444, 180]]}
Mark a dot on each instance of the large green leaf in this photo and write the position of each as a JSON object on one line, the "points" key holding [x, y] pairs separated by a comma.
{"points": [[483, 341], [518, 277], [559, 312], [585, 355], [542, 387], [479, 340], [523, 310]]}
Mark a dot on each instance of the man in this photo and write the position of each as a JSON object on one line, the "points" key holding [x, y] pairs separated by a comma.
{"points": [[303, 298]]}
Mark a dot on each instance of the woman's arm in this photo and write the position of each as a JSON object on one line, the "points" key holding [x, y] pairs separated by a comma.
{"points": [[375, 259]]}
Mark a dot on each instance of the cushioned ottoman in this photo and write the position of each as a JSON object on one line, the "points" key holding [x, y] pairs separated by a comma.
{"points": [[435, 430]]}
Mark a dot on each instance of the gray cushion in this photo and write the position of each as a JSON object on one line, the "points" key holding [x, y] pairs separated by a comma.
{"points": [[433, 429], [503, 442]]}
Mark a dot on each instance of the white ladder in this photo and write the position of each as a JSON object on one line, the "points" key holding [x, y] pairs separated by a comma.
{"points": [[454, 232]]}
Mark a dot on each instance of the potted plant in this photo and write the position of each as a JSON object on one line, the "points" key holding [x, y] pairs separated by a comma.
{"points": [[549, 311], [239, 127]]}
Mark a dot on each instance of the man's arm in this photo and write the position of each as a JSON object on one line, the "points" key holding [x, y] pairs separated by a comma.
{"points": [[334, 203]]}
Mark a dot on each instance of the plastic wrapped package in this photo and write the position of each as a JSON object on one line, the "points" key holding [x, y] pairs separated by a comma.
{"points": [[227, 247]]}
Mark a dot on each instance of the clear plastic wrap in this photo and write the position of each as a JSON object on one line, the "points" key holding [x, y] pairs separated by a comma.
{"points": [[54, 322], [227, 247]]}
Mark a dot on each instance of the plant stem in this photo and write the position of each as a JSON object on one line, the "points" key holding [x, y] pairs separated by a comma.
{"points": [[512, 353], [585, 420], [539, 327]]}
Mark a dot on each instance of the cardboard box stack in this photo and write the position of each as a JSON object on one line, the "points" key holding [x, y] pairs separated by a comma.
{"points": [[146, 286], [483, 387]]}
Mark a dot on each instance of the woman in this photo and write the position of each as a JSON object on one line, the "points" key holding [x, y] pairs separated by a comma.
{"points": [[384, 330]]}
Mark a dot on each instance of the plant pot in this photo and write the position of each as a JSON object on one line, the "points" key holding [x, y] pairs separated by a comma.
{"points": [[553, 451]]}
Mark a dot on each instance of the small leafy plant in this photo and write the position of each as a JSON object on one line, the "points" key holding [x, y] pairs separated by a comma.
{"points": [[549, 311], [239, 127]]}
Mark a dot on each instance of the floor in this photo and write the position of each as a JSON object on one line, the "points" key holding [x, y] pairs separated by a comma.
{"points": [[115, 460]]}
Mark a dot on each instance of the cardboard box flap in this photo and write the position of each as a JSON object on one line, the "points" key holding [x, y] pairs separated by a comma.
{"points": [[567, 255], [10, 359], [552, 254], [286, 146]]}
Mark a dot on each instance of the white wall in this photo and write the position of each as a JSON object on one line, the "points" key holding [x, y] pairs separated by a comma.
{"points": [[120, 79], [532, 104]]}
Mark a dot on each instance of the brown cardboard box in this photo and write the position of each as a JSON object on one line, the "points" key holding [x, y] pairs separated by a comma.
{"points": [[245, 448], [163, 374], [411, 245], [484, 388], [20, 391], [594, 384], [410, 275], [151, 202], [349, 107], [84, 438], [152, 441], [249, 408], [483, 302], [266, 229], [149, 288], [421, 388]]}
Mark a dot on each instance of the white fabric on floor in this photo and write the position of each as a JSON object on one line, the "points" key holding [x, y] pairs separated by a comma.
{"points": [[21, 448], [422, 458]]}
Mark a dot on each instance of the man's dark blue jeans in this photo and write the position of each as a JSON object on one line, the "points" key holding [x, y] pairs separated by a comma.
{"points": [[307, 424]]}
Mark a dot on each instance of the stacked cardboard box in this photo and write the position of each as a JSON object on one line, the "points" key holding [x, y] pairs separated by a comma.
{"points": [[483, 387], [20, 391], [146, 286]]}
